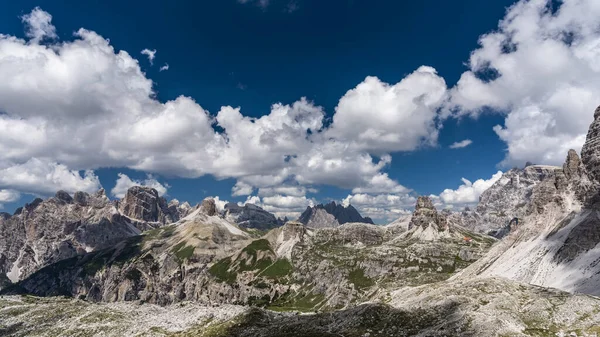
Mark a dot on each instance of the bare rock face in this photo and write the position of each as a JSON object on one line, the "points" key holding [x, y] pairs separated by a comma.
{"points": [[331, 215], [47, 231], [209, 207], [251, 216], [316, 217], [143, 204], [590, 153], [573, 167], [426, 215]]}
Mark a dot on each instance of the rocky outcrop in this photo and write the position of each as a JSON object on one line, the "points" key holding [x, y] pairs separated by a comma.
{"points": [[46, 231], [208, 207], [251, 216], [331, 215], [475, 307], [143, 204], [318, 217], [557, 241], [590, 153], [207, 259]]}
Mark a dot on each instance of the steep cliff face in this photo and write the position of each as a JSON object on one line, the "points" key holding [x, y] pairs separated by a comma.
{"points": [[557, 241], [507, 199], [143, 205], [331, 215], [47, 231]]}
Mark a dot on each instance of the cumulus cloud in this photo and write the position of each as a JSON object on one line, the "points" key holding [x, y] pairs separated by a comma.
{"points": [[151, 54], [40, 177], [220, 204], [461, 144], [241, 188], [8, 196], [164, 68], [124, 183], [386, 207], [468, 193], [402, 116], [281, 205], [85, 105], [542, 69], [38, 25]]}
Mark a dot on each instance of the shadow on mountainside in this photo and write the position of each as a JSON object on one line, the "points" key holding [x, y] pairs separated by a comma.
{"points": [[59, 279], [374, 320]]}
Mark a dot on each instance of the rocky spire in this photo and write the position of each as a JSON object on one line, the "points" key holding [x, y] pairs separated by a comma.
{"points": [[209, 207], [573, 168], [590, 153], [426, 215]]}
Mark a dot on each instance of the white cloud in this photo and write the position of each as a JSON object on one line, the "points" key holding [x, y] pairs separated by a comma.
{"points": [[241, 188], [281, 205], [468, 193], [38, 24], [542, 68], [461, 144], [41, 177], [295, 191], [401, 117], [151, 54], [8, 196], [220, 204], [84, 105], [387, 207], [124, 183], [165, 67]]}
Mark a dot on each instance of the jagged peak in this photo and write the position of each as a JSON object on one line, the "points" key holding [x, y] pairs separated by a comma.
{"points": [[63, 196], [209, 207], [424, 201]]}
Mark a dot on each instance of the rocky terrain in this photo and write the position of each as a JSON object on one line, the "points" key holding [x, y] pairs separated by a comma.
{"points": [[251, 216], [331, 215], [479, 307], [556, 242], [47, 231], [209, 260]]}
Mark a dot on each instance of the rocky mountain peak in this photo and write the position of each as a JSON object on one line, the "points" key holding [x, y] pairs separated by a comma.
{"points": [[424, 202], [590, 153], [573, 167], [250, 216], [331, 215], [209, 207], [64, 196], [426, 215], [144, 204]]}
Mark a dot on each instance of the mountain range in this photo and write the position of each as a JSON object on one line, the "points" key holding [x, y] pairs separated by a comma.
{"points": [[524, 262]]}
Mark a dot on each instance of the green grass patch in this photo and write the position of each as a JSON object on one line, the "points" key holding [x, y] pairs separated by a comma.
{"points": [[280, 268], [183, 252], [358, 278], [258, 245], [220, 271], [308, 302]]}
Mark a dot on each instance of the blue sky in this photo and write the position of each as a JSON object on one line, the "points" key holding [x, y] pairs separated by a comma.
{"points": [[253, 54]]}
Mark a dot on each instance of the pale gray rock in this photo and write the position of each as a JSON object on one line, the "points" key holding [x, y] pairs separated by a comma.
{"points": [[590, 153], [250, 216]]}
